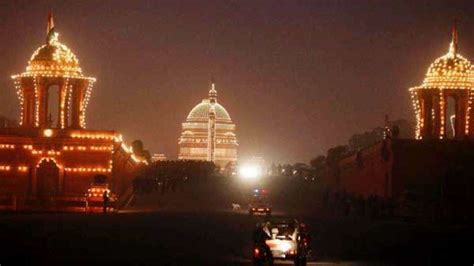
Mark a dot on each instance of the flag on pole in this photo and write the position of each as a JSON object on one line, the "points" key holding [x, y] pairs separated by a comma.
{"points": [[454, 38], [50, 33]]}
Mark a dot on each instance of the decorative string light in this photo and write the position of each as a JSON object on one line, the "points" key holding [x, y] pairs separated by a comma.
{"points": [[468, 112], [90, 148], [85, 102], [5, 168], [69, 103], [21, 97], [48, 159], [49, 152], [88, 169], [62, 108], [93, 136], [22, 168], [37, 101], [442, 115], [7, 146], [96, 192]]}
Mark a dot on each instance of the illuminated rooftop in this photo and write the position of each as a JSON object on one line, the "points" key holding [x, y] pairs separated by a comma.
{"points": [[450, 71], [53, 59], [201, 112]]}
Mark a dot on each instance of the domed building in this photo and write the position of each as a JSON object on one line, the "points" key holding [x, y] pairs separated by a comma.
{"points": [[51, 160], [443, 102], [208, 133]]}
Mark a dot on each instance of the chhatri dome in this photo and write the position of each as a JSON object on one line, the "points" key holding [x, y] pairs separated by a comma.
{"points": [[451, 70], [208, 133], [53, 74], [443, 102], [53, 58]]}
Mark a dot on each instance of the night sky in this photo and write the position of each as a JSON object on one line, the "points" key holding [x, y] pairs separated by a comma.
{"points": [[297, 77]]}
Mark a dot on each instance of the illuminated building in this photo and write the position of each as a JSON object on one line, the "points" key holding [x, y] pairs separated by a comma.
{"points": [[448, 85], [208, 133], [158, 157], [51, 159], [431, 178]]}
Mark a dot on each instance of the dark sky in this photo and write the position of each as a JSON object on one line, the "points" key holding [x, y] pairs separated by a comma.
{"points": [[297, 77]]}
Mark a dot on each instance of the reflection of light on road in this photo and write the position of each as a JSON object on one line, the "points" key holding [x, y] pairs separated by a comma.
{"points": [[250, 171]]}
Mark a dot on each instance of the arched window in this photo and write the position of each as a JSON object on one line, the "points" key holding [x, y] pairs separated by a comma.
{"points": [[450, 120], [52, 96]]}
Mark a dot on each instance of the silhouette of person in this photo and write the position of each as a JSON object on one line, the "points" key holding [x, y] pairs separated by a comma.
{"points": [[105, 197]]}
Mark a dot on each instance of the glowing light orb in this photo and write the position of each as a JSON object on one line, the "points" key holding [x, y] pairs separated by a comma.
{"points": [[250, 171], [48, 133]]}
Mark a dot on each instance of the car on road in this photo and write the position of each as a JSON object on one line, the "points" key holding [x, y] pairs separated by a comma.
{"points": [[260, 208], [281, 239], [259, 202]]}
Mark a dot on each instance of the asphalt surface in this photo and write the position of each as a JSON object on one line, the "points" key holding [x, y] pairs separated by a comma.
{"points": [[209, 238], [196, 226]]}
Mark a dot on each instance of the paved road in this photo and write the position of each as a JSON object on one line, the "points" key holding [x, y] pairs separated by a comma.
{"points": [[151, 238], [209, 238]]}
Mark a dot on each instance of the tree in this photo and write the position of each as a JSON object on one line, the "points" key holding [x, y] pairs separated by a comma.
{"points": [[337, 153], [318, 162], [318, 165], [137, 147], [139, 150]]}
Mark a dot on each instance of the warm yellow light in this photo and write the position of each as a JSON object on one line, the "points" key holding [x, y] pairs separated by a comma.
{"points": [[48, 133], [250, 171]]}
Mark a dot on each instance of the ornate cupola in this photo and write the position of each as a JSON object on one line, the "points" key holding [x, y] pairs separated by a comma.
{"points": [[443, 103], [53, 70]]}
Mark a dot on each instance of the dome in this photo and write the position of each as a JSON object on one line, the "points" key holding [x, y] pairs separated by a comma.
{"points": [[201, 112], [54, 59], [451, 71]]}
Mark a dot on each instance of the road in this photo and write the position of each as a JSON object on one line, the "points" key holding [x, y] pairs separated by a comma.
{"points": [[195, 226], [204, 238], [152, 238]]}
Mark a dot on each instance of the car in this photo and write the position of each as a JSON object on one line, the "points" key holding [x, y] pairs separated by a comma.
{"points": [[281, 239], [260, 208]]}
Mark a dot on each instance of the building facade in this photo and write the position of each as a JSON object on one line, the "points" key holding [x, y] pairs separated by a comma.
{"points": [[50, 160], [208, 133], [429, 176]]}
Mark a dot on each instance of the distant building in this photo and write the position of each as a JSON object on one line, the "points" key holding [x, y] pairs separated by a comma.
{"points": [[158, 157], [208, 133]]}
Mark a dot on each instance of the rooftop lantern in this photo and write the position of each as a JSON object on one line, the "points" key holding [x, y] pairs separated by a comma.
{"points": [[53, 68], [443, 103]]}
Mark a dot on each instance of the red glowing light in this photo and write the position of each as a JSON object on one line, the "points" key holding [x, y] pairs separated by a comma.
{"points": [[256, 252]]}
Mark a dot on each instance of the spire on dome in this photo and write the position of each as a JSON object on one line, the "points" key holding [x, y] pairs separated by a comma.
{"points": [[453, 47], [213, 92], [51, 35]]}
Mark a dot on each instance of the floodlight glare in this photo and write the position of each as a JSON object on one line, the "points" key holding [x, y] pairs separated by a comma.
{"points": [[250, 171]]}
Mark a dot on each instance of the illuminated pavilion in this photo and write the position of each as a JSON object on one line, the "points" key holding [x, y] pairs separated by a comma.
{"points": [[51, 159], [208, 133], [443, 103]]}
